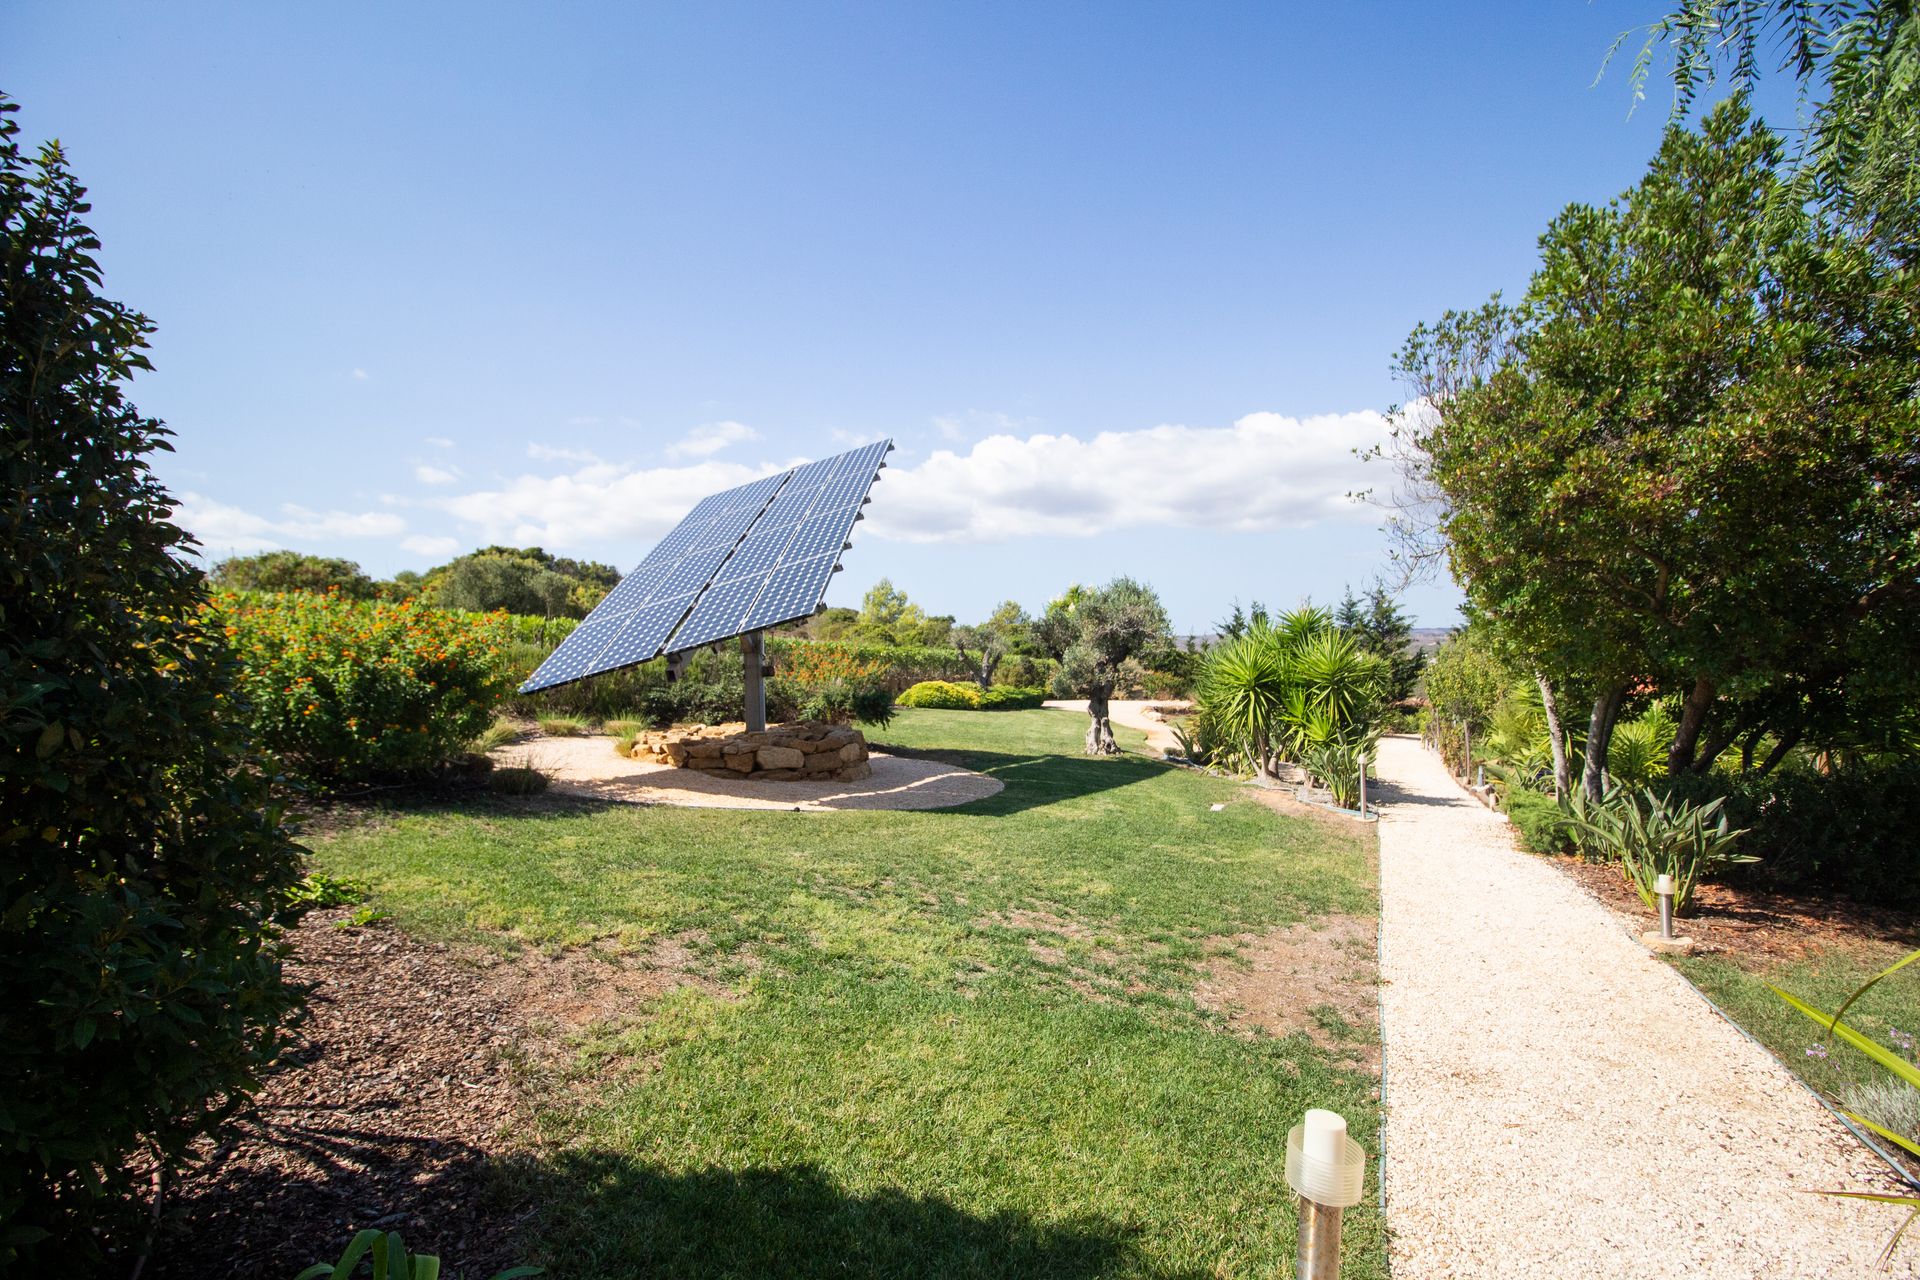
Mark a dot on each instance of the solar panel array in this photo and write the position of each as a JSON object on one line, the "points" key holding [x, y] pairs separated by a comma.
{"points": [[741, 560]]}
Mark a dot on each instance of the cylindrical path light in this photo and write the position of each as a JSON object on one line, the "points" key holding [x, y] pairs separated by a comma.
{"points": [[1325, 1168]]}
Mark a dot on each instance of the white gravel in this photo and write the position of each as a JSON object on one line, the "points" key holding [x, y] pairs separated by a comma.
{"points": [[1560, 1103]]}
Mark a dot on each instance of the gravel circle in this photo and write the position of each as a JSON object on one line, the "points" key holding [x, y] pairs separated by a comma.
{"points": [[1559, 1102], [590, 767]]}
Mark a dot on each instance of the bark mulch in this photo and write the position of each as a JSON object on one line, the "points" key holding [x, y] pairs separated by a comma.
{"points": [[1756, 927], [390, 1111]]}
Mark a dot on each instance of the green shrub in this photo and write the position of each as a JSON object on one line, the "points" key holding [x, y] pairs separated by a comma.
{"points": [[941, 695], [1851, 830], [343, 691], [517, 780], [564, 726], [498, 734], [625, 727], [1539, 819], [388, 1259], [141, 863], [1011, 699]]}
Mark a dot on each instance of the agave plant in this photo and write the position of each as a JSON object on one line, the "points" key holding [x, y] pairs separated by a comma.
{"points": [[1654, 835]]}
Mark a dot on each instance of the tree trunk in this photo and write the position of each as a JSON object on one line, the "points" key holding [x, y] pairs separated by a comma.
{"points": [[1099, 728], [1606, 709], [1693, 716], [1779, 753], [1556, 738]]}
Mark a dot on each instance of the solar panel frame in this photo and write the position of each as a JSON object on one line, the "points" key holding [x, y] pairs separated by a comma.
{"points": [[767, 547]]}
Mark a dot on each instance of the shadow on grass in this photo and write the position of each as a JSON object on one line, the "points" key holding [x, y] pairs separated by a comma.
{"points": [[1035, 779], [613, 1216]]}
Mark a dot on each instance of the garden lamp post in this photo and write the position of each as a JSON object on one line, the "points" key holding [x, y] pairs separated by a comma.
{"points": [[1325, 1168], [1663, 889]]}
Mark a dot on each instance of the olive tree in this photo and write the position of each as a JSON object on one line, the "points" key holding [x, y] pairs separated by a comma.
{"points": [[141, 865], [1107, 629]]}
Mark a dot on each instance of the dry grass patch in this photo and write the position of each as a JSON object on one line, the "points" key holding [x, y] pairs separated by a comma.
{"points": [[1318, 978]]}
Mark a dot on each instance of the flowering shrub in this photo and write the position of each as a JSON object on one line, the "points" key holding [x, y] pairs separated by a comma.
{"points": [[347, 691], [825, 662]]}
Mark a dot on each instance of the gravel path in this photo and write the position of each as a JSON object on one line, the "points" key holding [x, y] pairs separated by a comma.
{"points": [[1134, 714], [589, 766], [1560, 1103]]}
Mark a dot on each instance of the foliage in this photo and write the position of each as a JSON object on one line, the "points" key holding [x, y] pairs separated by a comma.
{"points": [[321, 890], [520, 580], [942, 695], [895, 666], [1849, 829], [1637, 752], [1858, 66], [1380, 627], [1539, 819], [1300, 689], [497, 734], [1687, 458], [1902, 1068], [843, 701], [888, 617], [1468, 676], [141, 862], [564, 726], [344, 691], [1006, 631], [1652, 835], [825, 662], [1111, 628], [1011, 698], [292, 571], [388, 1259], [517, 780]]}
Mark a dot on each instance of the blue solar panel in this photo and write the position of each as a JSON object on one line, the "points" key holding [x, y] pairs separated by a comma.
{"points": [[792, 591], [745, 558]]}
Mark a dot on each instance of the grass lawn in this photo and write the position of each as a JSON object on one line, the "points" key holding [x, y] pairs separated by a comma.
{"points": [[955, 1043]]}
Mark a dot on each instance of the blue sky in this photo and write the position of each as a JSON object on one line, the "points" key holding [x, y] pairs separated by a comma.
{"points": [[1122, 282]]}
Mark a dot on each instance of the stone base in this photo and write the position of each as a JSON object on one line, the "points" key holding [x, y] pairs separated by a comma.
{"points": [[806, 751], [1674, 946]]}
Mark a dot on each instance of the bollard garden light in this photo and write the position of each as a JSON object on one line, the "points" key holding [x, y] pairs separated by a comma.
{"points": [[1663, 889], [1326, 1169]]}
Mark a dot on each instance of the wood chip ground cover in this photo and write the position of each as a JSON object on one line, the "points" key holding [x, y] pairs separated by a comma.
{"points": [[874, 1062]]}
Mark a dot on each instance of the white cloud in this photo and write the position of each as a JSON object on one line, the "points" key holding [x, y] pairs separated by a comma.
{"points": [[226, 528], [595, 503], [549, 453], [428, 545], [435, 475], [440, 442], [1265, 472], [361, 375], [706, 440]]}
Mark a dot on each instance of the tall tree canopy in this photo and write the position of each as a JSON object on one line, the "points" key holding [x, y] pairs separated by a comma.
{"points": [[1690, 456], [293, 571]]}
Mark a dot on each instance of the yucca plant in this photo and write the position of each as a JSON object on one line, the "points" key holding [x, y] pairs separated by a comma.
{"points": [[1242, 688], [387, 1255], [1887, 1059]]}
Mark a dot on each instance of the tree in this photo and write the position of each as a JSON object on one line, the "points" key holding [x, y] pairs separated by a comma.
{"points": [[1693, 463], [293, 571], [1111, 627], [1379, 627], [141, 864], [1006, 630], [888, 617], [524, 580], [1857, 63]]}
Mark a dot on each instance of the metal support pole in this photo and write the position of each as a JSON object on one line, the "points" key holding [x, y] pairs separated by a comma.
{"points": [[1663, 889], [753, 668], [1363, 786], [1319, 1241]]}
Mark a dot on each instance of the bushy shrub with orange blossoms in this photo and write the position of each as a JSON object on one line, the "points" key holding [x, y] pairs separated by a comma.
{"points": [[345, 691]]}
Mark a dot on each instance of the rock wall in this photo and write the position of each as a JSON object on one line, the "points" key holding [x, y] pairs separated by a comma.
{"points": [[808, 750]]}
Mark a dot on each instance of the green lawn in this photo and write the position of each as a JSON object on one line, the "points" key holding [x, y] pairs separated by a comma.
{"points": [[961, 1041]]}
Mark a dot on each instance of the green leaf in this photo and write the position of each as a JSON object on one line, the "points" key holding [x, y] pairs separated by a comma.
{"points": [[1872, 1048], [1868, 986], [49, 740], [1888, 1134]]}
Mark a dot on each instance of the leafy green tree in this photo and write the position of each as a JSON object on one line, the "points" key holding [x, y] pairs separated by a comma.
{"points": [[887, 617], [293, 571], [1112, 626], [141, 863], [1692, 459], [1007, 630], [1857, 63], [1056, 628]]}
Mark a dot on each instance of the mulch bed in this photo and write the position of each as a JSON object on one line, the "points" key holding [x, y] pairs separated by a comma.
{"points": [[389, 1112], [1753, 926]]}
